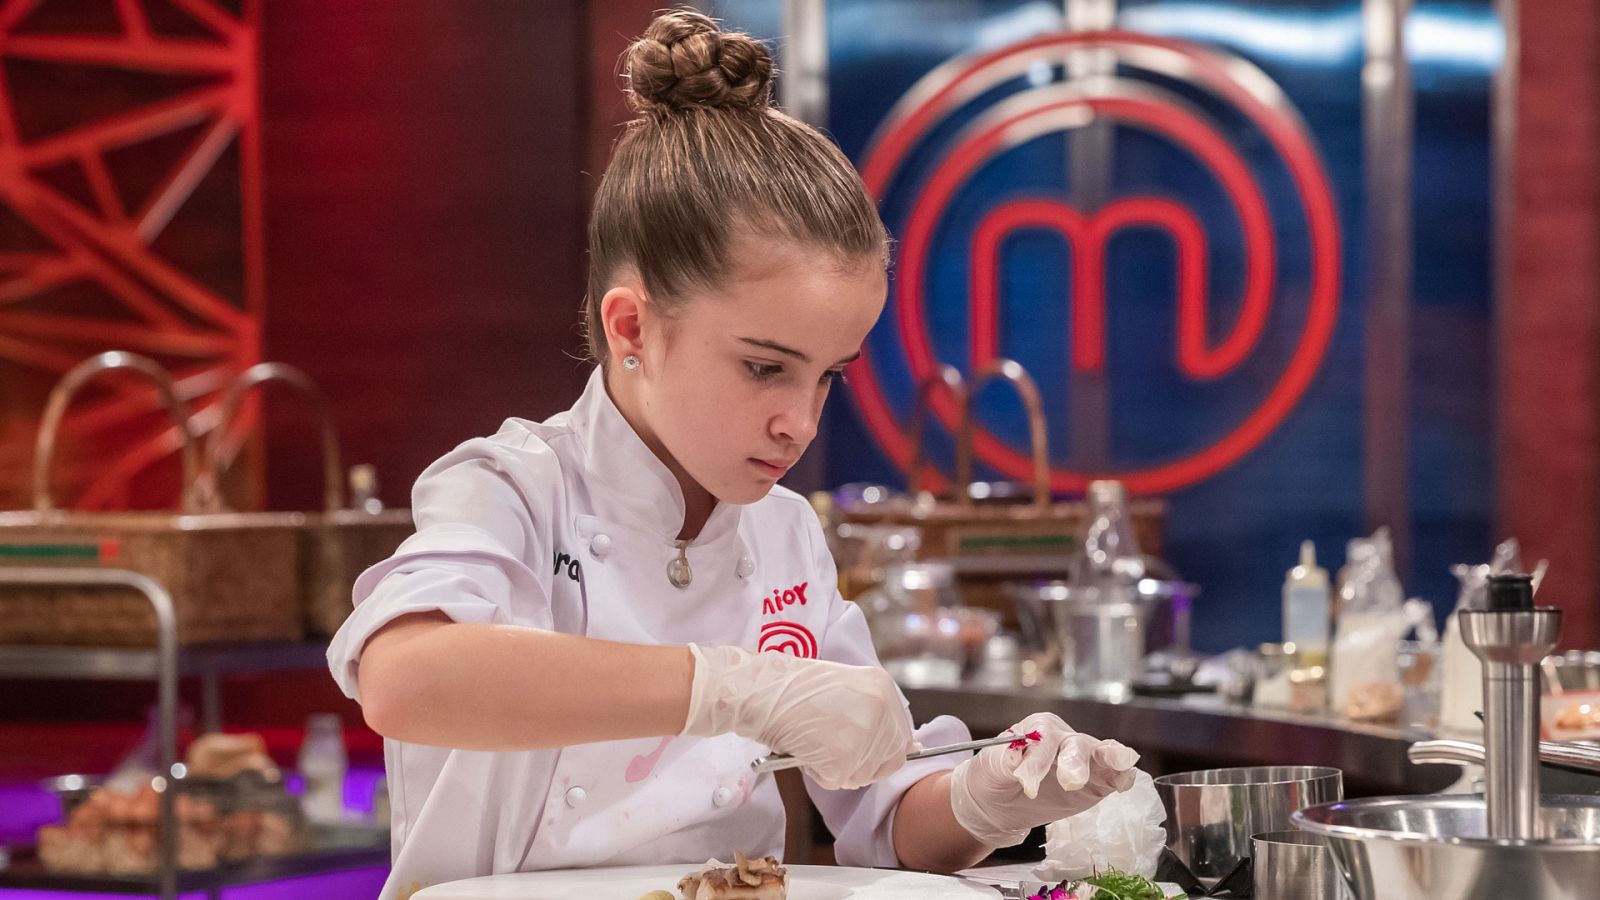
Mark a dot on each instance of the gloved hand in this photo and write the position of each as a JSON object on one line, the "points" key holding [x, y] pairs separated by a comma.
{"points": [[1006, 790], [846, 724]]}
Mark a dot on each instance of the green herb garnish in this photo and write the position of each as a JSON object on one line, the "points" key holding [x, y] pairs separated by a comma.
{"points": [[1114, 885]]}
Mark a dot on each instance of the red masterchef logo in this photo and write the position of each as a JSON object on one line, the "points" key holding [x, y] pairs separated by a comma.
{"points": [[788, 637], [1136, 99]]}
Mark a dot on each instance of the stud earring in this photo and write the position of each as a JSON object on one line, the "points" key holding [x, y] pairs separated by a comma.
{"points": [[630, 362]]}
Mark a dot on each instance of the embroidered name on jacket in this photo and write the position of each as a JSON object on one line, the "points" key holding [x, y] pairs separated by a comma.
{"points": [[570, 565], [783, 598]]}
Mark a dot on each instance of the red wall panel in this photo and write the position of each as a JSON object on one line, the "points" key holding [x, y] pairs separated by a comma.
{"points": [[424, 223], [1549, 322]]}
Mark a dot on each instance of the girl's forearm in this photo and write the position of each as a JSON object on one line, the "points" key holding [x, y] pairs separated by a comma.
{"points": [[926, 833], [425, 679]]}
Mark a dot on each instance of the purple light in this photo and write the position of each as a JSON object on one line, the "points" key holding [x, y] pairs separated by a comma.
{"points": [[27, 805], [8, 894], [24, 806], [365, 882], [360, 787]]}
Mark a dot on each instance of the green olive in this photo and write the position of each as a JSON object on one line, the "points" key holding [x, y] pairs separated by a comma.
{"points": [[658, 895]]}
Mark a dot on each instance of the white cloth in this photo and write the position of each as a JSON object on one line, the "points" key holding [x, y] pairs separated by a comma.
{"points": [[1123, 831], [568, 525]]}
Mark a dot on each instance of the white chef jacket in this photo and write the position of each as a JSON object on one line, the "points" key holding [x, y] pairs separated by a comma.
{"points": [[568, 525]]}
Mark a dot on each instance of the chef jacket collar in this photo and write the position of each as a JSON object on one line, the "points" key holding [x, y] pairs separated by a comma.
{"points": [[630, 485]]}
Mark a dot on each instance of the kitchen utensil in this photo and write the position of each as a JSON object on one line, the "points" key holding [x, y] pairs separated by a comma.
{"points": [[1212, 813], [778, 761], [1294, 865]]}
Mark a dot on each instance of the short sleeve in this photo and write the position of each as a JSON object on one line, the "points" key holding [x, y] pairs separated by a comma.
{"points": [[479, 526], [862, 820]]}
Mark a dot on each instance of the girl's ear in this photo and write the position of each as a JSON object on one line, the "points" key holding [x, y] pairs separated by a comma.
{"points": [[621, 312]]}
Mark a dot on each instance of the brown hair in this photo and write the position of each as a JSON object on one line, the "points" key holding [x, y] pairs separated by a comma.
{"points": [[708, 153]]}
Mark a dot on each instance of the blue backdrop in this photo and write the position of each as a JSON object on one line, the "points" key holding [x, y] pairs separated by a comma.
{"points": [[1237, 531]]}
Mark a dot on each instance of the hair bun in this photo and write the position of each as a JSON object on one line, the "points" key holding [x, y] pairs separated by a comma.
{"points": [[685, 61]]}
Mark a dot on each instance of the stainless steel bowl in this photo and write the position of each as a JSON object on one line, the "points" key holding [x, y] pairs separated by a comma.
{"points": [[1432, 847], [1575, 670], [1294, 865], [1212, 813], [1157, 620]]}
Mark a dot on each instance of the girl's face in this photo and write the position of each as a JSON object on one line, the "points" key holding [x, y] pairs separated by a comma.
{"points": [[732, 385]]}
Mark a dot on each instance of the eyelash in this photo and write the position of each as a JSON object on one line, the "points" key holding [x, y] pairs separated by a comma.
{"points": [[767, 371]]}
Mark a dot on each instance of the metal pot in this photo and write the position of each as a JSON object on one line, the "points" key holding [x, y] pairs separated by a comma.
{"points": [[1431, 847], [1212, 813], [1094, 638]]}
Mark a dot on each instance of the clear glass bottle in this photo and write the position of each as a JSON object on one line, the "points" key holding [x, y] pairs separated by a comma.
{"points": [[1109, 554], [323, 763]]}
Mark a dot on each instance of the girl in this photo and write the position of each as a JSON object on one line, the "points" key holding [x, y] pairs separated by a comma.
{"points": [[604, 617]]}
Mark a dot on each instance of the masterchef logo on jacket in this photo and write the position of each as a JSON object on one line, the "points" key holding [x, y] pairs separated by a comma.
{"points": [[782, 598]]}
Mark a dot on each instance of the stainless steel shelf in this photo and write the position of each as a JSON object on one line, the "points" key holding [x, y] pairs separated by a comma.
{"points": [[132, 663], [335, 849], [165, 664]]}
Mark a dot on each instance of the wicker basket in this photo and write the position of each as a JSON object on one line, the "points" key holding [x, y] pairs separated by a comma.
{"points": [[335, 548], [232, 577], [952, 529], [1004, 532], [335, 545]]}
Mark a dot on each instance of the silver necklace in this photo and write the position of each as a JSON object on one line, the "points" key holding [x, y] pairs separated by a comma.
{"points": [[678, 571]]}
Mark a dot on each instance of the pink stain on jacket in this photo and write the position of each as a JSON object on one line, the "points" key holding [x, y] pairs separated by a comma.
{"points": [[642, 766]]}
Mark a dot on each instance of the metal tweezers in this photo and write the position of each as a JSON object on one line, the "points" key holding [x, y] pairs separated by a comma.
{"points": [[778, 762]]}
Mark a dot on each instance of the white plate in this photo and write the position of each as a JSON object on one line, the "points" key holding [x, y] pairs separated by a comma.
{"points": [[632, 882]]}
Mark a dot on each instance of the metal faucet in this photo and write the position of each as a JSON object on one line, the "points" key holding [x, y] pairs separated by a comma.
{"points": [[1583, 758], [261, 373], [55, 409], [1511, 637], [1038, 433]]}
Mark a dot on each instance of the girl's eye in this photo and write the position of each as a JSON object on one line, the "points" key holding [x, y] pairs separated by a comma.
{"points": [[762, 371], [832, 375]]}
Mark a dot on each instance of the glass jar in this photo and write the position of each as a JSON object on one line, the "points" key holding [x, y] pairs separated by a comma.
{"points": [[1274, 662]]}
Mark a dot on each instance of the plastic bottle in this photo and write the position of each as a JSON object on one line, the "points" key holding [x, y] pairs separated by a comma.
{"points": [[1307, 618], [1461, 673], [323, 763]]}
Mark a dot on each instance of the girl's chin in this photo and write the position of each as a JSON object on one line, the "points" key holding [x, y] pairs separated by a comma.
{"points": [[746, 491]]}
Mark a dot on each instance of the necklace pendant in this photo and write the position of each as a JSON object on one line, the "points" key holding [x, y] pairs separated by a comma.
{"points": [[679, 573]]}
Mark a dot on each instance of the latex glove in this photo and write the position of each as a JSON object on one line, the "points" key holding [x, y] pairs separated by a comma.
{"points": [[1006, 790], [846, 724]]}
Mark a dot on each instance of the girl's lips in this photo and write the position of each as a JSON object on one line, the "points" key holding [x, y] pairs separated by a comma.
{"points": [[776, 469]]}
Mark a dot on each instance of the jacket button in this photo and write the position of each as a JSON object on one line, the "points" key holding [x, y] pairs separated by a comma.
{"points": [[722, 796], [745, 568], [575, 797], [600, 546]]}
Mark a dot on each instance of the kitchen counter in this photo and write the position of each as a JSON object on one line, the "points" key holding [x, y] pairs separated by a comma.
{"points": [[1203, 731]]}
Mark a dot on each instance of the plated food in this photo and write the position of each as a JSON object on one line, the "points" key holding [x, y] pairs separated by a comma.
{"points": [[1579, 716], [231, 806], [746, 879], [656, 882]]}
